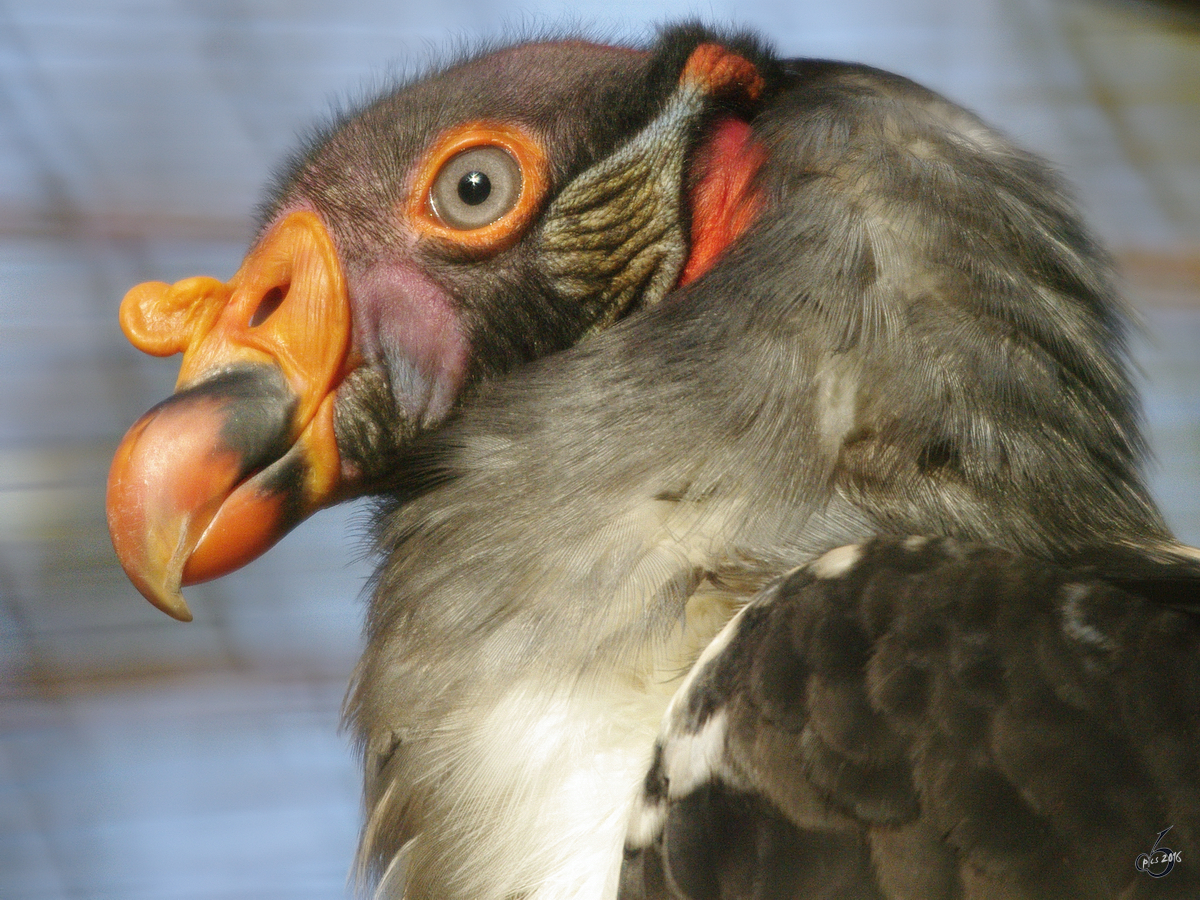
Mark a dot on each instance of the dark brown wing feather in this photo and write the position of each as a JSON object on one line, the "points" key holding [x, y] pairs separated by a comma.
{"points": [[939, 720]]}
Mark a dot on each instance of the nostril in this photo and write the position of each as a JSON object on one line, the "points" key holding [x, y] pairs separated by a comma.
{"points": [[270, 302]]}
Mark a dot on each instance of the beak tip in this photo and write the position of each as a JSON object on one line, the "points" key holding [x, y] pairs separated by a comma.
{"points": [[156, 584], [173, 605]]}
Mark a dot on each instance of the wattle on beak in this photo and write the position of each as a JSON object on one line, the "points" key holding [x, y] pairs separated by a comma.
{"points": [[212, 477]]}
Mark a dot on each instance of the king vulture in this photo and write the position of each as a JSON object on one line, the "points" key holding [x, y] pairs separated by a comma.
{"points": [[760, 497]]}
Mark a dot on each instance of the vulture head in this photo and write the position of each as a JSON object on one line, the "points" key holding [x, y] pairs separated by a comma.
{"points": [[623, 337], [452, 230]]}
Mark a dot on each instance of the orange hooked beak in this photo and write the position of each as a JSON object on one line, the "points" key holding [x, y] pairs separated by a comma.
{"points": [[245, 449]]}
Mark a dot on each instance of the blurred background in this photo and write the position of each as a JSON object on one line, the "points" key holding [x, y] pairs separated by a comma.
{"points": [[142, 758]]}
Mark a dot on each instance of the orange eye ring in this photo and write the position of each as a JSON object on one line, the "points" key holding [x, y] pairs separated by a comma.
{"points": [[508, 228]]}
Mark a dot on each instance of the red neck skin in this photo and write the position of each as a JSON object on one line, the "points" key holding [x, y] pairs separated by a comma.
{"points": [[724, 198]]}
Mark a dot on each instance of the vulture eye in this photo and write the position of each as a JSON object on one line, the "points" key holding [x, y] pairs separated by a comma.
{"points": [[476, 187]]}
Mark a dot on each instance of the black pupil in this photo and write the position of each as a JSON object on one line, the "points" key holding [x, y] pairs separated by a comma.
{"points": [[474, 188]]}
